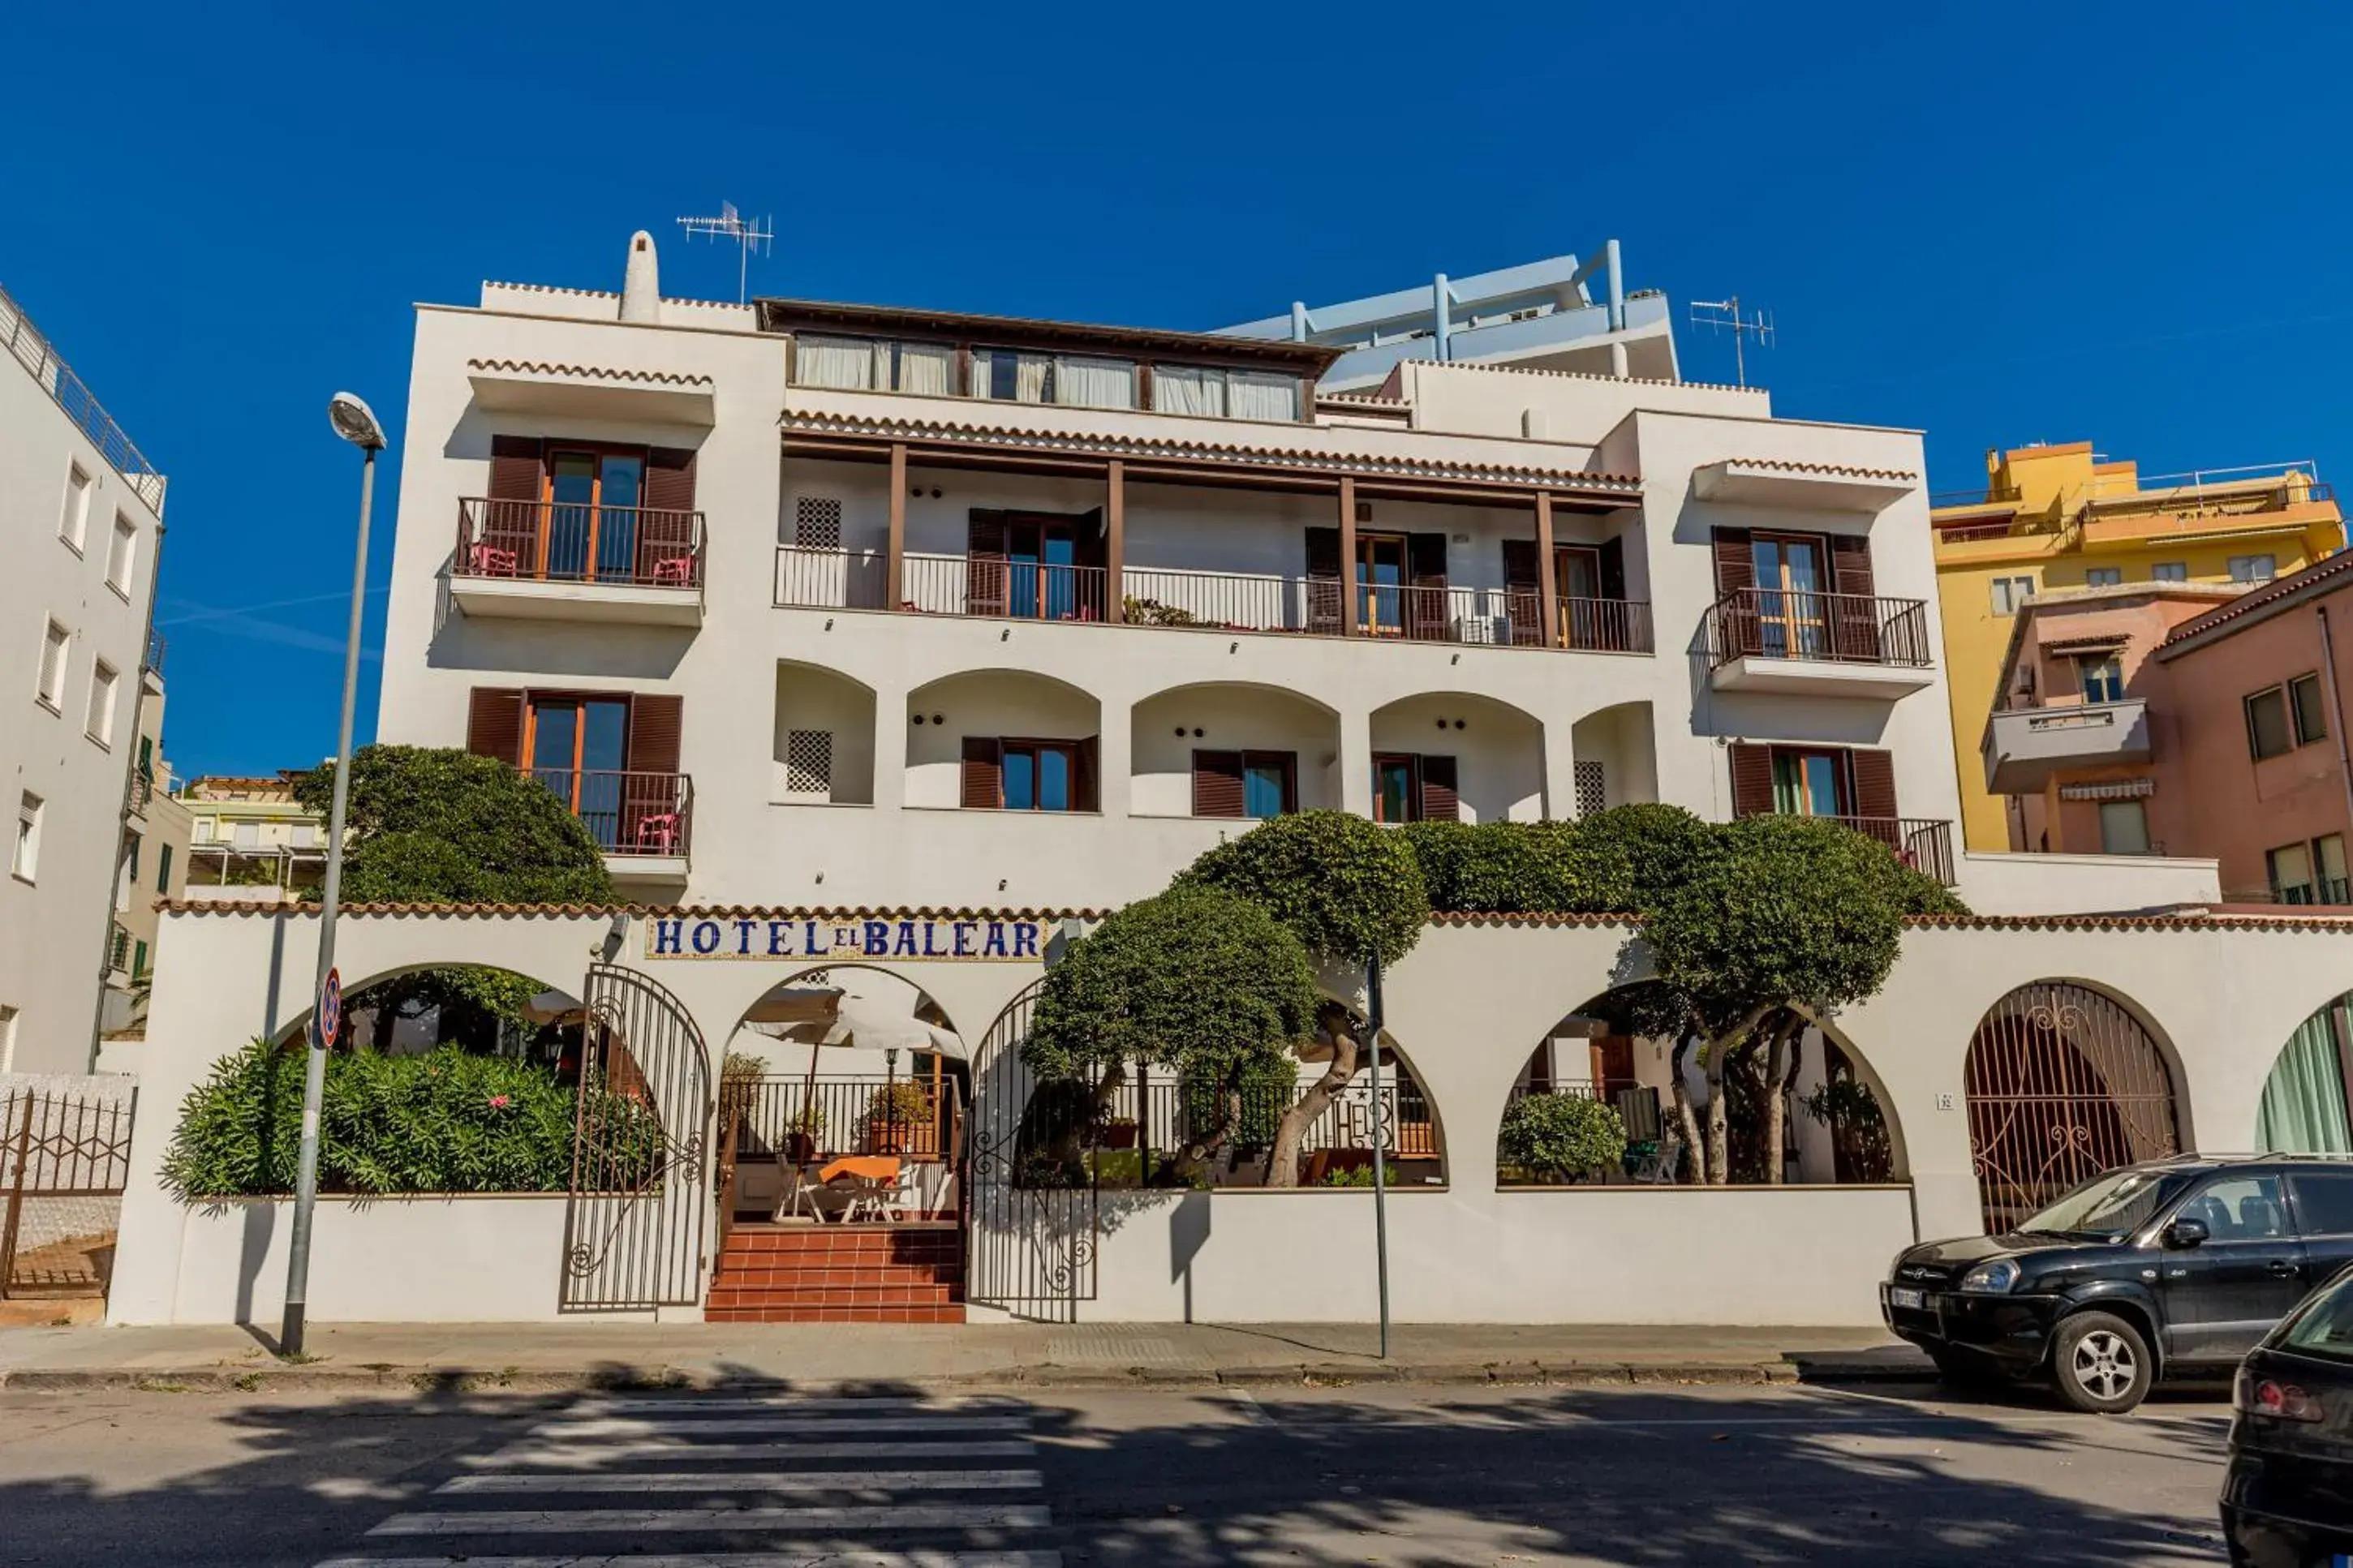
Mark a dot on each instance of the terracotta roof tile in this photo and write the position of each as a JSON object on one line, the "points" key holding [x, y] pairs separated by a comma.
{"points": [[1837, 470], [604, 911], [1576, 374], [2255, 599], [2194, 919], [599, 373]]}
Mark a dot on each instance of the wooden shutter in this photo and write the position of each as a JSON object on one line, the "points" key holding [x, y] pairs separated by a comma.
{"points": [[1520, 574], [1854, 615], [516, 468], [1875, 781], [654, 724], [1440, 803], [1735, 563], [1851, 564], [494, 724], [984, 774], [1217, 784], [1425, 558], [670, 480], [666, 533], [1613, 568], [1086, 776], [1752, 779], [1324, 577], [1425, 568], [1324, 552], [986, 586]]}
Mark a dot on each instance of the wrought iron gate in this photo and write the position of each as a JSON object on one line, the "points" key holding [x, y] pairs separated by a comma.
{"points": [[640, 1195], [1031, 1174], [2063, 1083]]}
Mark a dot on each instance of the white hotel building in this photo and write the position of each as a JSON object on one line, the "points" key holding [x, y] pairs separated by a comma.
{"points": [[807, 603]]}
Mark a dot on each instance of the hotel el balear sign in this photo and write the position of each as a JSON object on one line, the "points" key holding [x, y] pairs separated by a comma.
{"points": [[978, 939]]}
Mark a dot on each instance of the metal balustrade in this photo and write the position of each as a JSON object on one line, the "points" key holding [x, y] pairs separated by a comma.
{"points": [[1851, 628], [627, 813], [568, 542]]}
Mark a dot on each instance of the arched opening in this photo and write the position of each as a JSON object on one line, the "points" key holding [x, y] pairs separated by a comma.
{"points": [[1232, 750], [1834, 1123], [478, 1008], [2062, 1083], [838, 1081], [2303, 1111], [1003, 739], [1616, 762], [824, 746], [1448, 756]]}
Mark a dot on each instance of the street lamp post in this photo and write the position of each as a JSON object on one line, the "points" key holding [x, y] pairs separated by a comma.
{"points": [[355, 422]]}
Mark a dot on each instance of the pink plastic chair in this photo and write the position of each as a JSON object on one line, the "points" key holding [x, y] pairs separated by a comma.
{"points": [[658, 832], [678, 572], [489, 561]]}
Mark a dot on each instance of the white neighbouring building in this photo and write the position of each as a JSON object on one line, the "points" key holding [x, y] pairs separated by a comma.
{"points": [[81, 515]]}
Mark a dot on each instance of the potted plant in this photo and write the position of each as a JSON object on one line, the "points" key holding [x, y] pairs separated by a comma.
{"points": [[1117, 1132], [803, 1133], [1560, 1137], [899, 1118]]}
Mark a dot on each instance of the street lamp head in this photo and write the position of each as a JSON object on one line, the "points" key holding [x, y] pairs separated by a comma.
{"points": [[355, 422]]}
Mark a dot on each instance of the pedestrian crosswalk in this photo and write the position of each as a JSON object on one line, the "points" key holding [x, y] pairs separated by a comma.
{"points": [[731, 1481]]}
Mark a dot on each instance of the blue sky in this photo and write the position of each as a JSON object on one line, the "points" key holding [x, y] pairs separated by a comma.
{"points": [[1999, 223]]}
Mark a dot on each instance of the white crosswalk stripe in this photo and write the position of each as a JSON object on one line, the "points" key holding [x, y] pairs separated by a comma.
{"points": [[794, 1497]]}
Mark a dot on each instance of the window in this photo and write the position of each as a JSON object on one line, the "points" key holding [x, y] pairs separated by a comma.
{"points": [[1414, 788], [816, 523], [2328, 866], [1224, 394], [2103, 576], [2008, 592], [7, 1039], [2323, 1202], [2267, 730], [56, 645], [2170, 572], [1811, 784], [138, 959], [2253, 568], [871, 365], [118, 555], [808, 762], [1039, 776], [1086, 382], [2304, 706], [26, 860], [2239, 1208], [304, 836], [2102, 676], [73, 523], [162, 871], [2124, 827], [100, 722], [2290, 870], [1010, 377], [1256, 784], [135, 842]]}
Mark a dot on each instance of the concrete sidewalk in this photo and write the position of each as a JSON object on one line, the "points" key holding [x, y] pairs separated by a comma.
{"points": [[852, 1356]]}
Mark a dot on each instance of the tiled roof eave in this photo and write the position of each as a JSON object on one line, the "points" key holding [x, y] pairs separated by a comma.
{"points": [[588, 372], [1829, 470], [606, 911]]}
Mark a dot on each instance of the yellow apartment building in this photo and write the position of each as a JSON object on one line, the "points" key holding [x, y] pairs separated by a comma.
{"points": [[2058, 519]]}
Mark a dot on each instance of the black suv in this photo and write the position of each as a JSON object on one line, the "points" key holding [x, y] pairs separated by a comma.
{"points": [[2159, 1269]]}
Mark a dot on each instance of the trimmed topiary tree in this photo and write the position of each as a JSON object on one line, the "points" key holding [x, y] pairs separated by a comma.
{"points": [[1501, 868], [1561, 1135], [1628, 856]]}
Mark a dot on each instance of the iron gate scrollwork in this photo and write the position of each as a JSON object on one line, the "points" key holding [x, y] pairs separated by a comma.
{"points": [[641, 1199], [2061, 1083], [1031, 1179]]}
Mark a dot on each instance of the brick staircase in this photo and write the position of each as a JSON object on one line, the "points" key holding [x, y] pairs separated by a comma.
{"points": [[910, 1273]]}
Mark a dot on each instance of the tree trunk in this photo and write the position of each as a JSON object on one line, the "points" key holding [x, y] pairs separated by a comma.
{"points": [[1283, 1161], [1719, 1056], [1778, 1068], [1687, 1118], [1195, 1156]]}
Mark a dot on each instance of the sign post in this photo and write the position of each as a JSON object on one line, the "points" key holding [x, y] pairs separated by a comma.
{"points": [[1380, 1136], [327, 1018]]}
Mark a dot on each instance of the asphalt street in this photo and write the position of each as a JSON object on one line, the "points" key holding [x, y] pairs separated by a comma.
{"points": [[1368, 1473]]}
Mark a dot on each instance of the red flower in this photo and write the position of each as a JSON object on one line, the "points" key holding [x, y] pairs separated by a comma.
{"points": [[500, 1102]]}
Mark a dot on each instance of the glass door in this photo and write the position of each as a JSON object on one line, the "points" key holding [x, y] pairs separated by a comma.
{"points": [[1042, 581], [1809, 784], [578, 748], [591, 515], [1577, 577], [1380, 584], [1394, 796], [1792, 614]]}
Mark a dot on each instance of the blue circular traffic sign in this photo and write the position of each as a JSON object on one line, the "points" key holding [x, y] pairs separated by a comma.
{"points": [[329, 1015]]}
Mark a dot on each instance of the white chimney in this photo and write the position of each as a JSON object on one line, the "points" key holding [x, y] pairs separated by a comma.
{"points": [[641, 285]]}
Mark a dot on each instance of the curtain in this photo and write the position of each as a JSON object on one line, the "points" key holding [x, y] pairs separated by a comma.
{"points": [[1029, 377], [835, 361], [2303, 1108], [1262, 395], [981, 381], [927, 367], [1188, 389], [1094, 382]]}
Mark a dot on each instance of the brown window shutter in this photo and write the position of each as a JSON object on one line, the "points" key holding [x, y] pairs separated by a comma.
{"points": [[516, 468], [1875, 781], [1440, 803], [654, 724], [494, 724], [1086, 769], [1217, 784], [1752, 780], [1851, 564], [984, 774], [1324, 552], [1736, 565], [1854, 615], [1425, 558], [986, 582], [985, 534], [1613, 568], [670, 480], [1520, 573]]}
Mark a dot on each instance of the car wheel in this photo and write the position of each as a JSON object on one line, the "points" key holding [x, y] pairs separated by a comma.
{"points": [[2101, 1363]]}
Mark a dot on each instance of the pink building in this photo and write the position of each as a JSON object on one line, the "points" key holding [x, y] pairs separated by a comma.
{"points": [[2185, 719]]}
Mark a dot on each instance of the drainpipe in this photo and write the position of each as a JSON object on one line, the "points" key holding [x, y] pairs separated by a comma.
{"points": [[1438, 292], [1617, 292], [1298, 321], [2337, 708]]}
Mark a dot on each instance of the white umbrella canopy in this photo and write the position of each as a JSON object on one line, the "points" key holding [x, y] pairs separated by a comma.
{"points": [[840, 1016]]}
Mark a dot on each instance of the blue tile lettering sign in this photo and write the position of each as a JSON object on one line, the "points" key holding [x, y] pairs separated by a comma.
{"points": [[979, 939]]}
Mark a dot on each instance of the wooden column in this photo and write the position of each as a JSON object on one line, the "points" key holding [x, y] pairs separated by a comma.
{"points": [[1347, 555], [1114, 540], [894, 558], [1548, 580]]}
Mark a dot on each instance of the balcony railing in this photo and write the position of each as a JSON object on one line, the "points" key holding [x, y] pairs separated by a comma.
{"points": [[831, 579], [999, 585], [566, 541], [627, 814], [1923, 844], [802, 1121], [142, 791], [58, 379], [1842, 628], [155, 645]]}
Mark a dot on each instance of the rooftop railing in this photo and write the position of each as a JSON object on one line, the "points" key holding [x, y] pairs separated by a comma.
{"points": [[81, 406]]}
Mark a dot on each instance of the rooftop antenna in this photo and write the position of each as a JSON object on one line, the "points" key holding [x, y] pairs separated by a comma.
{"points": [[1721, 314], [749, 234]]}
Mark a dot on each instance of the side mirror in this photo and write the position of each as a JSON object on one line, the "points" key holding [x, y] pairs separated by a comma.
{"points": [[2185, 1232]]}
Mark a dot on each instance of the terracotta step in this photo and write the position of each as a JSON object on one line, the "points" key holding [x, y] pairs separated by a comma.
{"points": [[834, 1315], [786, 1278]]}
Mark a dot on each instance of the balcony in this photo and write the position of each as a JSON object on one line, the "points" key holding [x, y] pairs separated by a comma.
{"points": [[612, 565], [1808, 486], [644, 822], [143, 794], [1203, 601], [1819, 645], [1922, 843], [2023, 747]]}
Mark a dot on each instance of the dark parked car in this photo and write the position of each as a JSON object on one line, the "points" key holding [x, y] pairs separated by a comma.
{"points": [[2153, 1270], [2288, 1498]]}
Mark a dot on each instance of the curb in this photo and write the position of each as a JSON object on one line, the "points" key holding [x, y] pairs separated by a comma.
{"points": [[426, 1381]]}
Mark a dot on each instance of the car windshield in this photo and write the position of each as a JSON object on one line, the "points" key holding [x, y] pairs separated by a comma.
{"points": [[2325, 1327], [2119, 1201]]}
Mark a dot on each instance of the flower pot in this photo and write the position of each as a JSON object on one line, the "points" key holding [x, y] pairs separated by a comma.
{"points": [[1116, 1135]]}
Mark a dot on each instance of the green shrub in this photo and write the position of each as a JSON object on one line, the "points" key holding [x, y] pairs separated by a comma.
{"points": [[1500, 867], [1348, 888], [1560, 1135], [900, 1104], [1627, 857], [442, 1123]]}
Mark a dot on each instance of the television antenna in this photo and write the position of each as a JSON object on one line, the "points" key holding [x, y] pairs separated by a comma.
{"points": [[1716, 314], [749, 234]]}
